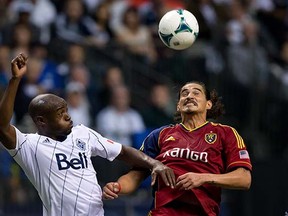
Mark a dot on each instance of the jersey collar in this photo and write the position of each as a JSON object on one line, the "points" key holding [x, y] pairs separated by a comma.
{"points": [[190, 130]]}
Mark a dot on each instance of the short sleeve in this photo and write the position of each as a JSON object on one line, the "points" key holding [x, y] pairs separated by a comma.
{"points": [[104, 147], [20, 140], [150, 144], [236, 153]]}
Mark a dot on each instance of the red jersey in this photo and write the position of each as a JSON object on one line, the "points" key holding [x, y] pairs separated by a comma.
{"points": [[210, 148]]}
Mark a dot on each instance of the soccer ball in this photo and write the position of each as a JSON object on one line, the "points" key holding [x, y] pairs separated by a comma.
{"points": [[178, 29]]}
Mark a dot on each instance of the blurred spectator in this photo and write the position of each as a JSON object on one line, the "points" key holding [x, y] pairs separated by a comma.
{"points": [[151, 12], [75, 55], [273, 17], [91, 5], [279, 69], [247, 62], [73, 25], [80, 73], [117, 9], [112, 77], [4, 18], [4, 65], [41, 77], [50, 69], [42, 15], [240, 23], [20, 13], [160, 109], [245, 56], [78, 106], [102, 31], [136, 37], [205, 12], [118, 121], [21, 39]]}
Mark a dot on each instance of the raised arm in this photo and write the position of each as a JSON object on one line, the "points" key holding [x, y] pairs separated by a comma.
{"points": [[7, 132]]}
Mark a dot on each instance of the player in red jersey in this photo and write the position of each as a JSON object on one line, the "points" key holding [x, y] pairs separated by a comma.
{"points": [[205, 157]]}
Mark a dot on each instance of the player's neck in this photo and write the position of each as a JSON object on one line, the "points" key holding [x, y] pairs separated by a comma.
{"points": [[59, 138], [194, 122]]}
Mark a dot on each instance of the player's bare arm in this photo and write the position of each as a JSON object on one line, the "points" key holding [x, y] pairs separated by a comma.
{"points": [[237, 179], [7, 132], [137, 158], [126, 184]]}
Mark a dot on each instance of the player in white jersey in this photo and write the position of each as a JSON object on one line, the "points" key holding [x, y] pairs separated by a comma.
{"points": [[56, 159]]}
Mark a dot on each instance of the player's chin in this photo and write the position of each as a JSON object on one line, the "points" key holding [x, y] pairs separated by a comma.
{"points": [[68, 129], [190, 110]]}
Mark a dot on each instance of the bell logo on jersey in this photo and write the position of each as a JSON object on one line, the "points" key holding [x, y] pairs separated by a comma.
{"points": [[74, 163]]}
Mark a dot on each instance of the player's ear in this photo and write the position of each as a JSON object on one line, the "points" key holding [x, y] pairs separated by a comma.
{"points": [[178, 107], [209, 105], [39, 120]]}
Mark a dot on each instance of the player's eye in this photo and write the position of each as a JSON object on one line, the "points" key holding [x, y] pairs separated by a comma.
{"points": [[184, 93], [196, 93], [61, 112]]}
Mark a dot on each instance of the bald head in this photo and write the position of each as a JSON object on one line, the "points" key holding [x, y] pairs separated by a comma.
{"points": [[44, 104]]}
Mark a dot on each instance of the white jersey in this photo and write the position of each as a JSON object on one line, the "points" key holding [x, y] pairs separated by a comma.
{"points": [[62, 172]]}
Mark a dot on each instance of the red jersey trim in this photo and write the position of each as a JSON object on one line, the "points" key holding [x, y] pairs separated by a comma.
{"points": [[240, 162]]}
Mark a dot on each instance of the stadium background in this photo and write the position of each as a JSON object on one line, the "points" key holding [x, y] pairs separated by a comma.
{"points": [[242, 51]]}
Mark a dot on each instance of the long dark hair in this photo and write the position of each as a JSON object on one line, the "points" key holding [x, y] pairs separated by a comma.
{"points": [[217, 109]]}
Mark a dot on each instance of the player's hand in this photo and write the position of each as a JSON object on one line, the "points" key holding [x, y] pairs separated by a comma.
{"points": [[111, 190], [18, 65], [166, 173], [191, 180]]}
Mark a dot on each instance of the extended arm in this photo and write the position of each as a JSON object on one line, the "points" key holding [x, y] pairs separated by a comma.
{"points": [[237, 179], [138, 159], [126, 184], [7, 132]]}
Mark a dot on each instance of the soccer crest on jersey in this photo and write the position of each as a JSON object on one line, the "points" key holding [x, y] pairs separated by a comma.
{"points": [[210, 137], [81, 144]]}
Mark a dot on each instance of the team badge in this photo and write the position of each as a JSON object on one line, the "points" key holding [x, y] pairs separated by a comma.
{"points": [[80, 144], [210, 137]]}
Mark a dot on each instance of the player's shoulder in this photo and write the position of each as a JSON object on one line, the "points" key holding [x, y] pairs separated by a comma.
{"points": [[80, 127], [163, 129], [222, 127], [83, 130]]}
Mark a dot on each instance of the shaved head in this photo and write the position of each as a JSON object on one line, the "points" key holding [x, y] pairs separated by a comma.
{"points": [[43, 104]]}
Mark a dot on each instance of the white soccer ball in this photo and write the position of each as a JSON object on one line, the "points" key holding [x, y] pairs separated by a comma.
{"points": [[178, 29]]}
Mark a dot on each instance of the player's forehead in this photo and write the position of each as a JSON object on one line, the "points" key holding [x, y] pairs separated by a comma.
{"points": [[51, 102], [192, 86]]}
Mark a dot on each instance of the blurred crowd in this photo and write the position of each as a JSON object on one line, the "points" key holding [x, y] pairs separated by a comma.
{"points": [[106, 59]]}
